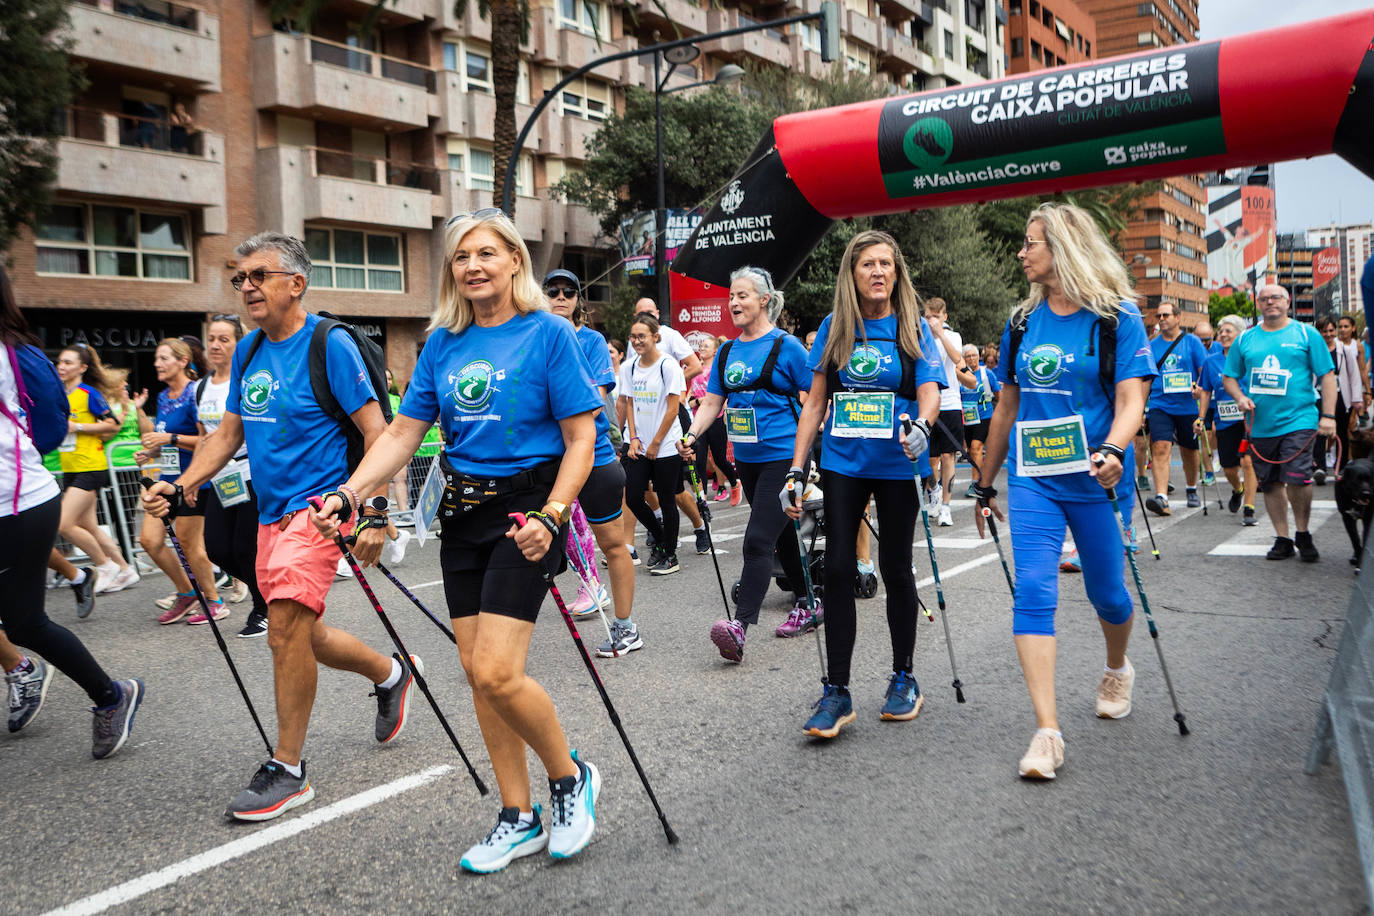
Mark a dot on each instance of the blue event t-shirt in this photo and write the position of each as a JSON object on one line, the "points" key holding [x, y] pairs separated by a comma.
{"points": [[775, 416], [1189, 356], [1214, 381], [493, 393], [178, 415], [296, 449], [1065, 382], [593, 347], [1291, 358], [979, 397], [875, 366]]}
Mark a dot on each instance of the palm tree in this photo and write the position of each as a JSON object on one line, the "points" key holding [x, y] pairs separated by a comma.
{"points": [[510, 28]]}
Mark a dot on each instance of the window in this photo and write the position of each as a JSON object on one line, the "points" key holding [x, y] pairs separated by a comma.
{"points": [[1151, 242], [1015, 7], [810, 37], [1185, 251], [586, 98], [1018, 47], [856, 58], [586, 16], [949, 44], [90, 240], [481, 170], [350, 259]]}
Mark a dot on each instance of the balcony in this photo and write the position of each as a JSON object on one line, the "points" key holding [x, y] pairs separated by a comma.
{"points": [[470, 24], [899, 53], [112, 155], [301, 73], [473, 114], [861, 29], [531, 213], [768, 45], [297, 185], [689, 17], [174, 42]]}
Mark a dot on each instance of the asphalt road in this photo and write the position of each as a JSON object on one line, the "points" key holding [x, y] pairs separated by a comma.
{"points": [[922, 816]]}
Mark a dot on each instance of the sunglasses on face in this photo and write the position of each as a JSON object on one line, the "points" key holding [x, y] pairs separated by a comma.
{"points": [[558, 292], [258, 275], [484, 213]]}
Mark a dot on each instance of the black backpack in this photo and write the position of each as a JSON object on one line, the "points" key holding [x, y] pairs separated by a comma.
{"points": [[373, 359], [1106, 360], [764, 381], [905, 389]]}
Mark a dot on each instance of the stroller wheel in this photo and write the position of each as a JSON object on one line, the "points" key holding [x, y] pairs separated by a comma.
{"points": [[734, 594], [865, 585]]}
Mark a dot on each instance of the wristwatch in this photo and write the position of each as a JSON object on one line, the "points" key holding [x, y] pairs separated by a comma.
{"points": [[377, 504], [174, 440], [560, 511]]}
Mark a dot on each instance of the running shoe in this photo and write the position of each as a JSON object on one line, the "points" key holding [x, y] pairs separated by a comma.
{"points": [[1282, 549], [728, 635], [903, 698], [703, 541], [238, 593], [1071, 563], [183, 605], [971, 492], [946, 521], [508, 840], [572, 809], [1234, 502], [1247, 517], [256, 625], [722, 495], [272, 792], [1319, 477], [1193, 500], [736, 493], [592, 602], [1114, 693], [1142, 482], [217, 609], [343, 570], [112, 723], [624, 639], [666, 566], [27, 690], [1158, 504], [1209, 478], [655, 557], [396, 550], [1044, 757], [834, 710], [222, 580], [1306, 549], [799, 620], [935, 497], [127, 577], [393, 703], [85, 593], [634, 556], [164, 603]]}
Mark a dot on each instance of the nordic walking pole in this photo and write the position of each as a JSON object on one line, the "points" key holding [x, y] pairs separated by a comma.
{"points": [[1154, 548], [957, 684], [1207, 461], [521, 521], [147, 482], [587, 565], [705, 511], [400, 647], [417, 602], [984, 510], [1144, 602], [817, 613]]}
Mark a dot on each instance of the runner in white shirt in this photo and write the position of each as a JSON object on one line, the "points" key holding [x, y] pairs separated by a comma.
{"points": [[944, 448]]}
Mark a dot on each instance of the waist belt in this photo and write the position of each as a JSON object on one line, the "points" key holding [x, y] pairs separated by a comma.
{"points": [[465, 492]]}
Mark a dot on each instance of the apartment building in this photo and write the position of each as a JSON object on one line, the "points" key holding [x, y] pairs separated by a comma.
{"points": [[1293, 263], [206, 121], [1048, 34]]}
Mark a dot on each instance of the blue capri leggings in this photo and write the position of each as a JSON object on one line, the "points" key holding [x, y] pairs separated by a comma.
{"points": [[1037, 536]]}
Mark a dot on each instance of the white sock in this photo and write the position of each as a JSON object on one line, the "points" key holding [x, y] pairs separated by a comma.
{"points": [[526, 819], [80, 576], [394, 678], [293, 768], [1051, 731], [658, 514], [1119, 672]]}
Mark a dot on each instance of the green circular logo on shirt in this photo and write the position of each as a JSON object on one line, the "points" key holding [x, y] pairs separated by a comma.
{"points": [[1171, 361], [928, 143], [257, 392], [472, 386], [735, 373], [865, 362], [1045, 363]]}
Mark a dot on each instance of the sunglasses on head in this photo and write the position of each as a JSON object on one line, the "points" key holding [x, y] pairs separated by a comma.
{"points": [[225, 316], [258, 275], [556, 292], [484, 213]]}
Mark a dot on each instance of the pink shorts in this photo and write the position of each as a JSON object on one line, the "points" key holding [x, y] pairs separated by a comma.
{"points": [[297, 564]]}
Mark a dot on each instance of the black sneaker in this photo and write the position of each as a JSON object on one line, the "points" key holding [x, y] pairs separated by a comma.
{"points": [[1193, 500], [112, 723], [1306, 549], [1247, 518], [655, 558], [85, 594], [1234, 503], [665, 566], [393, 703], [256, 625], [703, 541], [1158, 504], [1282, 549], [272, 793], [27, 689], [1319, 477]]}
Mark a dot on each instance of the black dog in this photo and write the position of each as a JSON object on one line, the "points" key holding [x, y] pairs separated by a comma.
{"points": [[1355, 501]]}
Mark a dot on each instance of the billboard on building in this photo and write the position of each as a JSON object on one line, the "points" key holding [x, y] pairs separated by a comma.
{"points": [[637, 239], [1326, 266], [1241, 241]]}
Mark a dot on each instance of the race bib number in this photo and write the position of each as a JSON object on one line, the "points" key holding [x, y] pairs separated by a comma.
{"points": [[971, 417], [1269, 382], [170, 462], [431, 495], [1228, 410], [230, 485], [741, 425], [1178, 382], [1048, 448], [862, 415]]}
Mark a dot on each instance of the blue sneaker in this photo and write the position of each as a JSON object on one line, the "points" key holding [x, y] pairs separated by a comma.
{"points": [[1208, 479], [507, 841], [834, 710], [904, 698], [572, 804]]}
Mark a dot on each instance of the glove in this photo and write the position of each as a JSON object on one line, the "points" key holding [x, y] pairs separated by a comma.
{"points": [[982, 494], [917, 438], [792, 487]]}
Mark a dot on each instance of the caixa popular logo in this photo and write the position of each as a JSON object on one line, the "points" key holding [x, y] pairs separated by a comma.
{"points": [[256, 393], [475, 385], [865, 362], [1045, 363]]}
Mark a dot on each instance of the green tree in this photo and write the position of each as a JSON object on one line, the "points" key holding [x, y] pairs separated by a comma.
{"points": [[1237, 303], [37, 82]]}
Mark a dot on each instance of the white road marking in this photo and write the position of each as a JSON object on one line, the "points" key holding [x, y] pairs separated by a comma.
{"points": [[427, 584], [961, 543], [211, 858], [946, 575], [1256, 540]]}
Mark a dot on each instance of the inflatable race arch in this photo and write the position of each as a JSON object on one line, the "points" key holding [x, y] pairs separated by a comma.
{"points": [[1286, 93]]}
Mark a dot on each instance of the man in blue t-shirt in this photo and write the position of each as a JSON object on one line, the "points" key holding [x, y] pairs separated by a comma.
{"points": [[298, 451], [1281, 360], [1180, 358]]}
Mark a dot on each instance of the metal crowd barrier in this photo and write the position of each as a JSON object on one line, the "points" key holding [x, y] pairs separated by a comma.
{"points": [[1346, 720]]}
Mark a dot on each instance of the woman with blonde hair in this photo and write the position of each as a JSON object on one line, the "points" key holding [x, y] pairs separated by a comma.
{"points": [[874, 360], [171, 438], [507, 382], [1059, 409]]}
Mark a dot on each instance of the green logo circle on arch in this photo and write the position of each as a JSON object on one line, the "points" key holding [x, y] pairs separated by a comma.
{"points": [[928, 143]]}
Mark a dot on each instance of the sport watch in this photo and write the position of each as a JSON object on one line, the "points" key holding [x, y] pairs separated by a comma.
{"points": [[377, 504], [560, 511]]}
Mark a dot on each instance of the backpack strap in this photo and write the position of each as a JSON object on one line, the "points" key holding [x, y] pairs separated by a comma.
{"points": [[718, 367], [200, 390], [1106, 357], [319, 370], [1018, 331], [259, 336]]}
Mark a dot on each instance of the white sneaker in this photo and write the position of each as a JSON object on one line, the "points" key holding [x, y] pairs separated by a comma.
{"points": [[166, 603], [105, 583], [342, 571], [506, 842], [238, 593], [572, 804], [935, 500], [1114, 693], [396, 550], [1044, 757], [124, 578], [945, 520]]}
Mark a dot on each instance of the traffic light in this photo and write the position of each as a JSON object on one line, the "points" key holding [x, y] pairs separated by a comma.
{"points": [[830, 31]]}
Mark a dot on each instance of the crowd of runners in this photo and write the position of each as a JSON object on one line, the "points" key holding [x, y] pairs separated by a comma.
{"points": [[557, 445]]}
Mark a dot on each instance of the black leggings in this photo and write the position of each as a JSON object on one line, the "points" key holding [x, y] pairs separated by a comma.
{"points": [[714, 440], [29, 537], [768, 530], [666, 475], [231, 541], [846, 498]]}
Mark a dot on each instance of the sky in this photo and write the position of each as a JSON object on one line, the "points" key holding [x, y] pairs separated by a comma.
{"points": [[1313, 192]]}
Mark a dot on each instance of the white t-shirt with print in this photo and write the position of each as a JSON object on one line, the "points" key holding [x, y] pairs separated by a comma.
{"points": [[648, 389], [950, 399]]}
